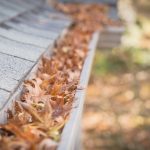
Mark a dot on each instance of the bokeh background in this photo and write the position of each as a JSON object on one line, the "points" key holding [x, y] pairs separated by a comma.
{"points": [[117, 106]]}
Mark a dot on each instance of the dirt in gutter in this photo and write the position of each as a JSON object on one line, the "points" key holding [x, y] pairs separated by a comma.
{"points": [[39, 115]]}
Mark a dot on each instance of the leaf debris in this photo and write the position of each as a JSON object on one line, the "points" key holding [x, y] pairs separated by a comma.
{"points": [[39, 115]]}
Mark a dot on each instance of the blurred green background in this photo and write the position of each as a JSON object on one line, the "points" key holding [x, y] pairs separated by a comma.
{"points": [[117, 107]]}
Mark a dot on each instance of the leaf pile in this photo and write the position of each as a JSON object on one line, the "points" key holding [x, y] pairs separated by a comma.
{"points": [[39, 115]]}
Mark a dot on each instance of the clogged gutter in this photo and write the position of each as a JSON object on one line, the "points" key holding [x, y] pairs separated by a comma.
{"points": [[39, 115]]}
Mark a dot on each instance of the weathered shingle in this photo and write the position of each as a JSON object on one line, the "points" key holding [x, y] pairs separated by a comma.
{"points": [[3, 96], [20, 50], [25, 38], [13, 67]]}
